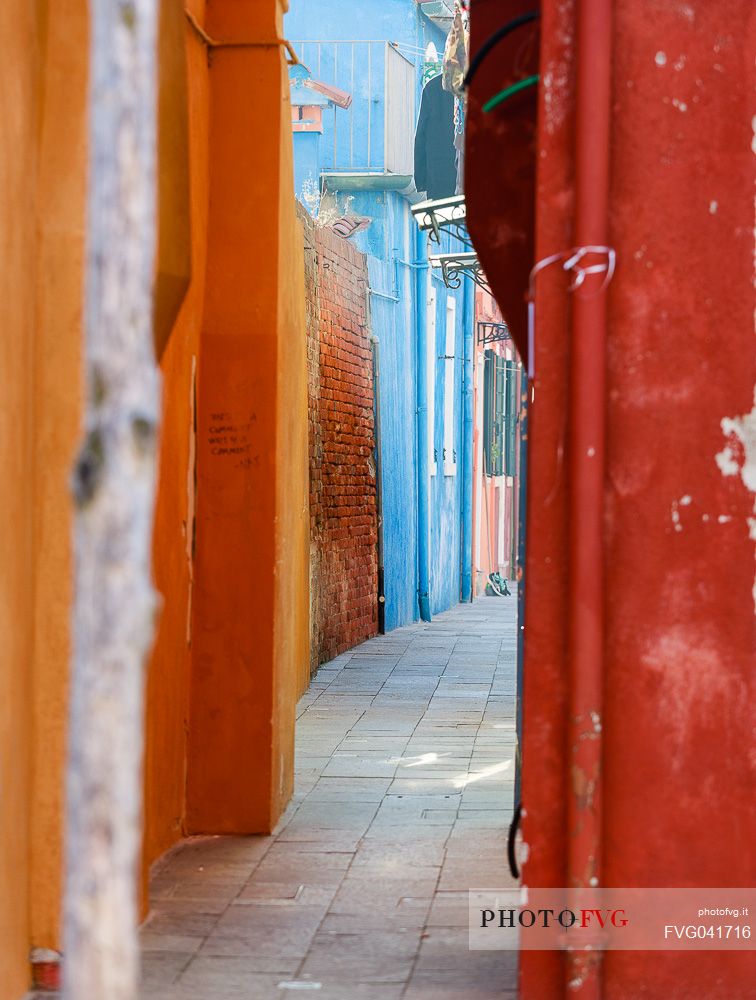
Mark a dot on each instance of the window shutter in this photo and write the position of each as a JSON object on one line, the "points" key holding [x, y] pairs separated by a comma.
{"points": [[450, 387], [511, 423], [500, 413], [489, 377]]}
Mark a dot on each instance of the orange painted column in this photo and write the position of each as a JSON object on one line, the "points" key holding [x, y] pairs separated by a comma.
{"points": [[184, 98], [250, 623]]}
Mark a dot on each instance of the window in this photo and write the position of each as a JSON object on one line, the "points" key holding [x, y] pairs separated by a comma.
{"points": [[450, 451], [481, 362], [492, 416], [499, 415], [432, 359]]}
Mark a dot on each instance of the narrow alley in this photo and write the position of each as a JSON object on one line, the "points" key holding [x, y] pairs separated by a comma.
{"points": [[321, 324], [404, 786]]}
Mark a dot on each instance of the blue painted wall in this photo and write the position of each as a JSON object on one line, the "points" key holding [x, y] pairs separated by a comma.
{"points": [[389, 245], [353, 139], [446, 493], [307, 162], [390, 322]]}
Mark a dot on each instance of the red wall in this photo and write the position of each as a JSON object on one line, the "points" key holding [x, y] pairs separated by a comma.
{"points": [[679, 639], [343, 521]]}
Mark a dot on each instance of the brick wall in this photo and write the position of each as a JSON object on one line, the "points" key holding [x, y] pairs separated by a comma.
{"points": [[343, 519]]}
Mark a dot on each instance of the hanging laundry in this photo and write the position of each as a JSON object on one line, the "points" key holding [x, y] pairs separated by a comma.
{"points": [[455, 62], [455, 53], [460, 107], [435, 152], [432, 65]]}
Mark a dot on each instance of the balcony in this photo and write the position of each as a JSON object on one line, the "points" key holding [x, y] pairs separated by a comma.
{"points": [[371, 143]]}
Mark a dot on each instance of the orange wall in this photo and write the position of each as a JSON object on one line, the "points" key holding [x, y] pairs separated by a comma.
{"points": [[292, 566], [18, 160], [62, 34], [252, 516], [169, 670], [42, 98], [60, 212], [42, 218], [260, 297]]}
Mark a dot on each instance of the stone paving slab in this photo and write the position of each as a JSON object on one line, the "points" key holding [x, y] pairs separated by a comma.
{"points": [[403, 794]]}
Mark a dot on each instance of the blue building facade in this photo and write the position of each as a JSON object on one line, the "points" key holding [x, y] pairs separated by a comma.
{"points": [[368, 60]]}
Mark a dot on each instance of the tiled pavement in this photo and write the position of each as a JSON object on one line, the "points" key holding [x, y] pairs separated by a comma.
{"points": [[403, 795]]}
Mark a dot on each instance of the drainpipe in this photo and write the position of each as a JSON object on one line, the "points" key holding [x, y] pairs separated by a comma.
{"points": [[468, 310], [376, 346], [519, 572], [423, 477], [587, 464]]}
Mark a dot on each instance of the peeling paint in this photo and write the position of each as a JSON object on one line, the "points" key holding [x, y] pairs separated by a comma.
{"points": [[523, 853], [555, 95], [743, 429], [684, 501], [584, 786], [726, 462], [584, 967], [557, 76], [739, 456]]}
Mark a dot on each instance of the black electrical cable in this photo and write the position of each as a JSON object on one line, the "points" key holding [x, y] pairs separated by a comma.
{"points": [[499, 35], [511, 839]]}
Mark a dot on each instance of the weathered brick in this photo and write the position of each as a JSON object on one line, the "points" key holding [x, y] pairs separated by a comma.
{"points": [[343, 520]]}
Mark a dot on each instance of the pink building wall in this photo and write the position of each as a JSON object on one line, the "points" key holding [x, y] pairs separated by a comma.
{"points": [[494, 497]]}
